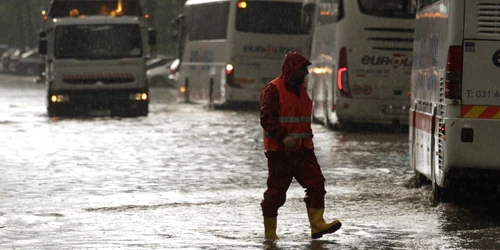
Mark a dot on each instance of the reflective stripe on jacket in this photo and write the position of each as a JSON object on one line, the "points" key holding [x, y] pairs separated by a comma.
{"points": [[295, 115]]}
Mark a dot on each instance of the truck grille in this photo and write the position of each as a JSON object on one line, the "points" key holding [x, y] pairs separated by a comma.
{"points": [[95, 78], [488, 19]]}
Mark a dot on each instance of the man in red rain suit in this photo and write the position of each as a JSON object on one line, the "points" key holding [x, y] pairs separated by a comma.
{"points": [[285, 115]]}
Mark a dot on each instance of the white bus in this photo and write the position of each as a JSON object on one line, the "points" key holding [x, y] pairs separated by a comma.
{"points": [[455, 95], [361, 61], [233, 48]]}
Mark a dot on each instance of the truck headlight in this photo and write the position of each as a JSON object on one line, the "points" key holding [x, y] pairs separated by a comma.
{"points": [[139, 97], [59, 98]]}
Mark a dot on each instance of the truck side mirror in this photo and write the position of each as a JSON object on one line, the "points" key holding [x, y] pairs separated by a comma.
{"points": [[151, 36], [42, 46]]}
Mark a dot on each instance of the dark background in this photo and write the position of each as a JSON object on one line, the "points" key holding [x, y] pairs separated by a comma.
{"points": [[20, 21]]}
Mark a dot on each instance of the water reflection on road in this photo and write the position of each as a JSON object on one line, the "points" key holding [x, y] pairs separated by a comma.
{"points": [[188, 178]]}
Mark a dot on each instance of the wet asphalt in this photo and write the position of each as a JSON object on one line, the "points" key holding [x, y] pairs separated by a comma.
{"points": [[186, 177]]}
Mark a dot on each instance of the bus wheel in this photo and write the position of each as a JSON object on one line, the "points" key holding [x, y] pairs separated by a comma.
{"points": [[327, 121], [313, 99], [211, 95], [435, 194], [326, 110], [345, 125], [419, 179], [186, 91]]}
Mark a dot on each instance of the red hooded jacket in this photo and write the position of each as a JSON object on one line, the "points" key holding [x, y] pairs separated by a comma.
{"points": [[278, 100]]}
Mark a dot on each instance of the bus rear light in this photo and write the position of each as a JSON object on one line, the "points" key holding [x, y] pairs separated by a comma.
{"points": [[230, 76], [242, 5], [453, 83], [342, 77], [229, 69]]}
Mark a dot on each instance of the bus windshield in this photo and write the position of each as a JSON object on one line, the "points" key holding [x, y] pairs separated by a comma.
{"points": [[269, 17], [387, 8], [203, 24], [98, 41]]}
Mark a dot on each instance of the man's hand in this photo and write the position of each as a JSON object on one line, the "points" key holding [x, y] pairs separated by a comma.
{"points": [[289, 142]]}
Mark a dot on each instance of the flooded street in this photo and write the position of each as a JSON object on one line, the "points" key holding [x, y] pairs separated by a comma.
{"points": [[185, 177]]}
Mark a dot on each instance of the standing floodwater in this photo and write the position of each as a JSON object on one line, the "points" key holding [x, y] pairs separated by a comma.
{"points": [[188, 178]]}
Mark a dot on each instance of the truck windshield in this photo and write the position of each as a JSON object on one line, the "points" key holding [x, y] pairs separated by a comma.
{"points": [[98, 41], [387, 8], [269, 17]]}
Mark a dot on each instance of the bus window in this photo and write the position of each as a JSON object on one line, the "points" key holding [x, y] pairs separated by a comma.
{"points": [[207, 21], [330, 11], [270, 18], [425, 3], [387, 8]]}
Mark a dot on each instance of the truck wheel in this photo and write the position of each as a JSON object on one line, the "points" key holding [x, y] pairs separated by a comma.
{"points": [[51, 111], [143, 110]]}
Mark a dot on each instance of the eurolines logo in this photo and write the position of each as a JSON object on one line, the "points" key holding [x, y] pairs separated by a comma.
{"points": [[395, 61], [270, 50]]}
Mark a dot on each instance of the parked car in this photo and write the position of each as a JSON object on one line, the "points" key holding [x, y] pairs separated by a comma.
{"points": [[28, 63], [3, 48], [174, 71], [5, 58], [14, 60], [158, 70]]}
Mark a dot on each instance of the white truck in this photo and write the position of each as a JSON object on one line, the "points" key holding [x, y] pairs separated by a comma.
{"points": [[95, 58]]}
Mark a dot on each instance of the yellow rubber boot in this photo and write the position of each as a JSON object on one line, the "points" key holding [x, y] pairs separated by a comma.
{"points": [[318, 224], [270, 225]]}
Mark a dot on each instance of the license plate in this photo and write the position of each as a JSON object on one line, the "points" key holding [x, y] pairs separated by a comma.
{"points": [[100, 112]]}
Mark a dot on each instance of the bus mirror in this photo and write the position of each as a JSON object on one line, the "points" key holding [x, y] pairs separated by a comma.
{"points": [[309, 7], [152, 36], [177, 26], [307, 16], [175, 31], [42, 46]]}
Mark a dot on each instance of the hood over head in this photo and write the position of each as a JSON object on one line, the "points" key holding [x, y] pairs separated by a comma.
{"points": [[293, 61]]}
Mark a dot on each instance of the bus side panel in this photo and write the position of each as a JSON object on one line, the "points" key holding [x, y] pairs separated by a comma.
{"points": [[430, 48]]}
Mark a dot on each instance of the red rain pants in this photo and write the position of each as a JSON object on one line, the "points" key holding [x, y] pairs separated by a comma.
{"points": [[283, 167]]}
